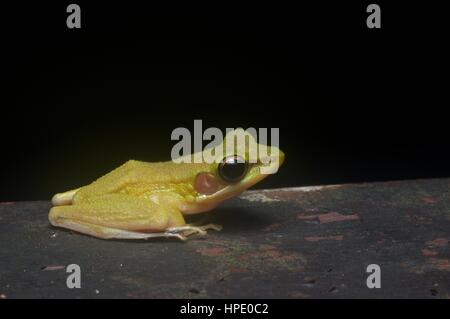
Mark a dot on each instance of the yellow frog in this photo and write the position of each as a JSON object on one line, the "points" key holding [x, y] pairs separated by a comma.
{"points": [[141, 200]]}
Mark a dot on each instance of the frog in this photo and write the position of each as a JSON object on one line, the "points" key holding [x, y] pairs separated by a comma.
{"points": [[144, 200]]}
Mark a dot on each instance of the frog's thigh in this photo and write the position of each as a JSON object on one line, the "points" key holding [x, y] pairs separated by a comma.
{"points": [[116, 216]]}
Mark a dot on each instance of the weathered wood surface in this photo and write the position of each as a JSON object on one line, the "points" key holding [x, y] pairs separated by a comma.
{"points": [[288, 243]]}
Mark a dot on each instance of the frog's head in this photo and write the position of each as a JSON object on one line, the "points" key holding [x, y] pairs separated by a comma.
{"points": [[238, 163]]}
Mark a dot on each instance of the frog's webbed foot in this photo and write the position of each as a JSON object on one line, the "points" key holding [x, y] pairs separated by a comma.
{"points": [[190, 229], [215, 227]]}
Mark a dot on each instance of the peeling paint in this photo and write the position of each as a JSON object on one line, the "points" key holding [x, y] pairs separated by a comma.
{"points": [[430, 200], [292, 193], [239, 257], [329, 217], [273, 256], [52, 268], [319, 238], [307, 189], [211, 251], [258, 197], [431, 264], [297, 295], [295, 257], [421, 220], [440, 264], [428, 253], [237, 270], [268, 247], [440, 242], [272, 227]]}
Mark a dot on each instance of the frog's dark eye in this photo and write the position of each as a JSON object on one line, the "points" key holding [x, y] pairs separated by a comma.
{"points": [[232, 169]]}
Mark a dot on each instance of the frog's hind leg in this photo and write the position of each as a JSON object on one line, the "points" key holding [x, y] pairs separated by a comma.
{"points": [[113, 233], [118, 216]]}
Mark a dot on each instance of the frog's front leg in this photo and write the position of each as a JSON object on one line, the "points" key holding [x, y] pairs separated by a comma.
{"points": [[119, 216], [65, 198]]}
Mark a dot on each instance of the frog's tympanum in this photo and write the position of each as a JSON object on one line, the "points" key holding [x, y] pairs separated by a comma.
{"points": [[141, 200]]}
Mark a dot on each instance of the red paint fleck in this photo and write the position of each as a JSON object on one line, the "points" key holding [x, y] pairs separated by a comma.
{"points": [[441, 242], [263, 254], [307, 217], [336, 217], [237, 270], [51, 268], [272, 227], [211, 252], [297, 295], [275, 255], [271, 254], [267, 247], [318, 238], [440, 264], [428, 253], [381, 241], [329, 217], [429, 200], [421, 220]]}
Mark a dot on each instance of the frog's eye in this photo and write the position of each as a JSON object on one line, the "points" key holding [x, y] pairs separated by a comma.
{"points": [[232, 169]]}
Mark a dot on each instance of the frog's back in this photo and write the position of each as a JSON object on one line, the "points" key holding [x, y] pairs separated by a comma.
{"points": [[142, 178]]}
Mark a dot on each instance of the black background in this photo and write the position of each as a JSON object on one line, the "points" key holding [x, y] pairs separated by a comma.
{"points": [[352, 104]]}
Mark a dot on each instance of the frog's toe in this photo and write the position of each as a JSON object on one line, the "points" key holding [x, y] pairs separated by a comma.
{"points": [[187, 230], [215, 227], [178, 236]]}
